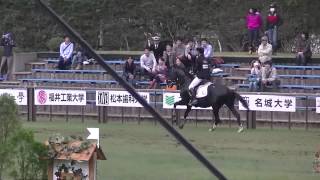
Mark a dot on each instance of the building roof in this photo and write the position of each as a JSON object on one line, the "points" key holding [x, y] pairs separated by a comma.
{"points": [[73, 151]]}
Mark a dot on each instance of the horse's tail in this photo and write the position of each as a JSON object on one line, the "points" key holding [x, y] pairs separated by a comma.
{"points": [[243, 102]]}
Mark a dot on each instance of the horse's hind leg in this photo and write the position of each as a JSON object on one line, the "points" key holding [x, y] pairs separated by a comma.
{"points": [[237, 115], [186, 113], [216, 117]]}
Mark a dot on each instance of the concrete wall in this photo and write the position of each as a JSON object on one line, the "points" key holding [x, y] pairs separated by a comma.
{"points": [[20, 59]]}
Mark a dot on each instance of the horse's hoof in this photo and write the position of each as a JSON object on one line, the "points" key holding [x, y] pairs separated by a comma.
{"points": [[181, 127], [211, 129], [240, 129]]}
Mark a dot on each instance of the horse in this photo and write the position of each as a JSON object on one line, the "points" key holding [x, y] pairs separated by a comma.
{"points": [[217, 96]]}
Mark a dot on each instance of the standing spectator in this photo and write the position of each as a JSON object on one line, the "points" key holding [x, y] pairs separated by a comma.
{"points": [[265, 50], [7, 58], [157, 47], [208, 49], [269, 76], [78, 59], [303, 49], [168, 57], [255, 75], [190, 55], [129, 71], [272, 25], [160, 74], [66, 50], [179, 48], [147, 63], [254, 22]]}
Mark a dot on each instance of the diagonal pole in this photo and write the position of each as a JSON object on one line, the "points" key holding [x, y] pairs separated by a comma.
{"points": [[132, 91]]}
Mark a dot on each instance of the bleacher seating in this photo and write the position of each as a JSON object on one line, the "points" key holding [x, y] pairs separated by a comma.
{"points": [[293, 78]]}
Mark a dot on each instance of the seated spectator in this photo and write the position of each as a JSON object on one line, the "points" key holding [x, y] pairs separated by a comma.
{"points": [[147, 63], [179, 48], [255, 75], [66, 50], [269, 76], [160, 74], [265, 50], [168, 57], [78, 59], [303, 49], [208, 49], [129, 71]]}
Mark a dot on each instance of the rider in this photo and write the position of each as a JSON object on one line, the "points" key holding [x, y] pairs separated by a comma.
{"points": [[202, 71]]}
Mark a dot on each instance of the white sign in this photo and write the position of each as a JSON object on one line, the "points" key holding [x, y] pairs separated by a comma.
{"points": [[318, 104], [20, 95], [94, 134], [60, 97], [119, 98], [270, 103], [170, 98]]}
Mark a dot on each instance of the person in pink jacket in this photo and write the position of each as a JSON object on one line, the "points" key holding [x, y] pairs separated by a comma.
{"points": [[254, 23]]}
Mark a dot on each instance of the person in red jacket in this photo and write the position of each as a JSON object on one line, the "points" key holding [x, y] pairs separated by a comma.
{"points": [[254, 22], [273, 22]]}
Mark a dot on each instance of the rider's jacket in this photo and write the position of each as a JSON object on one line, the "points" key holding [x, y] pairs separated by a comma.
{"points": [[203, 67]]}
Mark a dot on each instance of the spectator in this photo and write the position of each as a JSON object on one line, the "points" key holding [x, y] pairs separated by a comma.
{"points": [[190, 55], [254, 22], [303, 49], [160, 74], [269, 76], [168, 57], [265, 50], [147, 63], [66, 50], [129, 71], [179, 48], [272, 25], [255, 75], [208, 50], [157, 47], [7, 58], [78, 59]]}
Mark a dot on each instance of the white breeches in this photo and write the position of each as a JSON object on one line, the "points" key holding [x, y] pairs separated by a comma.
{"points": [[194, 83]]}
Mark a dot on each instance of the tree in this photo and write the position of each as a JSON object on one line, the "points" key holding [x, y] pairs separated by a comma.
{"points": [[9, 124], [29, 156]]}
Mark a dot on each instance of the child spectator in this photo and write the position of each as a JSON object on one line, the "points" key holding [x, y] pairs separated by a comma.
{"points": [[160, 74], [254, 22], [303, 49], [272, 25], [265, 50], [66, 50], [269, 76], [129, 71], [255, 75], [147, 63]]}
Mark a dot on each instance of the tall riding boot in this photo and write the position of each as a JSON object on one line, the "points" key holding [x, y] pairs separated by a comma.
{"points": [[193, 100]]}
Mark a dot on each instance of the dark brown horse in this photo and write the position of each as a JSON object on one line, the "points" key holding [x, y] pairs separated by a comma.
{"points": [[218, 95]]}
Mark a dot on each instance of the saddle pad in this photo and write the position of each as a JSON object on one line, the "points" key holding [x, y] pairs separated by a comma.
{"points": [[202, 90]]}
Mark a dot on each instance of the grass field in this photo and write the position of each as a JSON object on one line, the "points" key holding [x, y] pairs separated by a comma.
{"points": [[147, 152]]}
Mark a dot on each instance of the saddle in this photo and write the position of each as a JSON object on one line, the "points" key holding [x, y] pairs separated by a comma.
{"points": [[202, 89]]}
